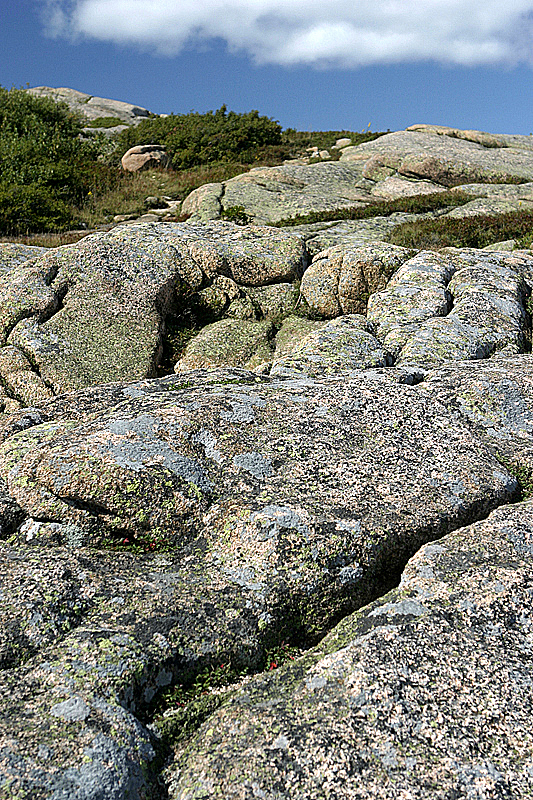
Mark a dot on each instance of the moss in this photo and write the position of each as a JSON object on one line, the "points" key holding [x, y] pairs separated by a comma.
{"points": [[522, 473]]}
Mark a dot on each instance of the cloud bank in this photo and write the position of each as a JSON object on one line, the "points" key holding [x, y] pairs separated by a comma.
{"points": [[336, 33]]}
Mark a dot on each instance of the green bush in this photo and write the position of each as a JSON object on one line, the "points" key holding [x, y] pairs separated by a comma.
{"points": [[193, 139], [24, 209], [46, 166]]}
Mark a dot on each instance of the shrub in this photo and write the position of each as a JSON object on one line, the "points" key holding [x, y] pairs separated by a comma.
{"points": [[31, 208], [45, 164], [475, 231], [193, 139]]}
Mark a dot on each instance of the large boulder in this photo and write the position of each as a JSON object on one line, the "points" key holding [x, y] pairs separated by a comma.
{"points": [[144, 156], [270, 194]]}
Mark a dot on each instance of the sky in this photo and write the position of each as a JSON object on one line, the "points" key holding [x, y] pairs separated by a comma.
{"points": [[310, 64]]}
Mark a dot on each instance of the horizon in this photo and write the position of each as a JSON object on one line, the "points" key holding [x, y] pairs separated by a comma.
{"points": [[162, 63]]}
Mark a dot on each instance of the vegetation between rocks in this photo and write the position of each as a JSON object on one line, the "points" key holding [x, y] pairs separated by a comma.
{"points": [[416, 204], [479, 231], [55, 178]]}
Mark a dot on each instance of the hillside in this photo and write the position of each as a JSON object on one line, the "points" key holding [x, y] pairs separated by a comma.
{"points": [[266, 473]]}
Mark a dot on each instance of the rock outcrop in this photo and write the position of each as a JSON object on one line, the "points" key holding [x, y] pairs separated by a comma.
{"points": [[226, 447], [93, 108], [423, 159]]}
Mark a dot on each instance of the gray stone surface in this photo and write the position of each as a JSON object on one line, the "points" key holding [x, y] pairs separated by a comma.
{"points": [[495, 397], [341, 345], [426, 692], [233, 342], [160, 535], [11, 255], [425, 315], [283, 505], [93, 107], [270, 194]]}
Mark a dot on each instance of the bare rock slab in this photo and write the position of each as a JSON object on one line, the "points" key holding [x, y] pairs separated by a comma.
{"points": [[427, 691], [443, 159], [495, 397], [284, 505]]}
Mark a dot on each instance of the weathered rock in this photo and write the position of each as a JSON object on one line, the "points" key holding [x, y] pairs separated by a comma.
{"points": [[483, 207], [302, 509], [445, 160], [427, 690], [395, 186], [293, 329], [95, 311], [270, 194], [479, 137], [355, 233], [204, 203], [341, 279], [144, 156], [233, 342], [11, 255], [341, 345], [495, 397], [93, 107], [17, 374], [425, 315]]}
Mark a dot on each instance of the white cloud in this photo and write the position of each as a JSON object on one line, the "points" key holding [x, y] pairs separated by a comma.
{"points": [[345, 33]]}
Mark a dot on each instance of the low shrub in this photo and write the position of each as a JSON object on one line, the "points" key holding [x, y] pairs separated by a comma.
{"points": [[194, 139], [478, 231]]}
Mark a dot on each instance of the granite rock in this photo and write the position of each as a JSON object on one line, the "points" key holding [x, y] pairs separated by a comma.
{"points": [[427, 690]]}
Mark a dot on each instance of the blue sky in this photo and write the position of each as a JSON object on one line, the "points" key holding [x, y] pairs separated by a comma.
{"points": [[311, 64]]}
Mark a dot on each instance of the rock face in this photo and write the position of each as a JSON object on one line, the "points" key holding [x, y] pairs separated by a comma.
{"points": [[93, 107], [226, 447], [144, 156], [96, 311], [402, 698]]}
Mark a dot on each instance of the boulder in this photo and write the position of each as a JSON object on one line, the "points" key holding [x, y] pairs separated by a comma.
{"points": [[270, 194], [425, 315], [144, 156], [284, 505], [164, 537], [235, 342], [341, 345], [341, 279], [420, 160]]}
